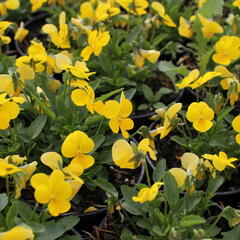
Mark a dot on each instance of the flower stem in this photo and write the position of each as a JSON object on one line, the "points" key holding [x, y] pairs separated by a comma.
{"points": [[147, 172]]}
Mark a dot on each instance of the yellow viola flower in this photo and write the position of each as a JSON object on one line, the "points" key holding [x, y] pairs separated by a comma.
{"points": [[184, 28], [3, 26], [192, 77], [19, 233], [24, 176], [85, 96], [227, 50], [21, 33], [6, 84], [201, 115], [236, 3], [194, 81], [203, 79], [7, 169], [230, 83], [209, 27], [179, 174], [49, 190], [96, 41], [61, 60], [79, 70], [145, 147], [16, 159], [123, 154], [36, 4], [190, 162], [236, 127], [87, 10], [220, 161], [9, 110], [105, 10], [140, 56], [148, 194], [136, 7], [118, 114], [54, 161], [58, 38], [76, 145], [168, 125], [8, 4], [165, 19], [42, 60]]}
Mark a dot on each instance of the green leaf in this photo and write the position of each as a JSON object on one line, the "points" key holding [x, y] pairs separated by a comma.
{"points": [[3, 201], [166, 66], [105, 63], [11, 215], [214, 184], [224, 112], [130, 93], [134, 33], [191, 220], [142, 107], [170, 189], [106, 186], [36, 126], [180, 140], [148, 93], [212, 8], [131, 206], [108, 95], [55, 230], [232, 235], [159, 170], [126, 234]]}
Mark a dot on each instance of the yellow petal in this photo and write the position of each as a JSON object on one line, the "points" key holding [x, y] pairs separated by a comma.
{"points": [[52, 160], [179, 174], [123, 155]]}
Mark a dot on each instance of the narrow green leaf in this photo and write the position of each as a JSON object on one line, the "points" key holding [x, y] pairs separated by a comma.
{"points": [[3, 201], [191, 220], [36, 126], [159, 170]]}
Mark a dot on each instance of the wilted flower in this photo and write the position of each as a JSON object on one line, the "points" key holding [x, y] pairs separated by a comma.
{"points": [[148, 194], [201, 115]]}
